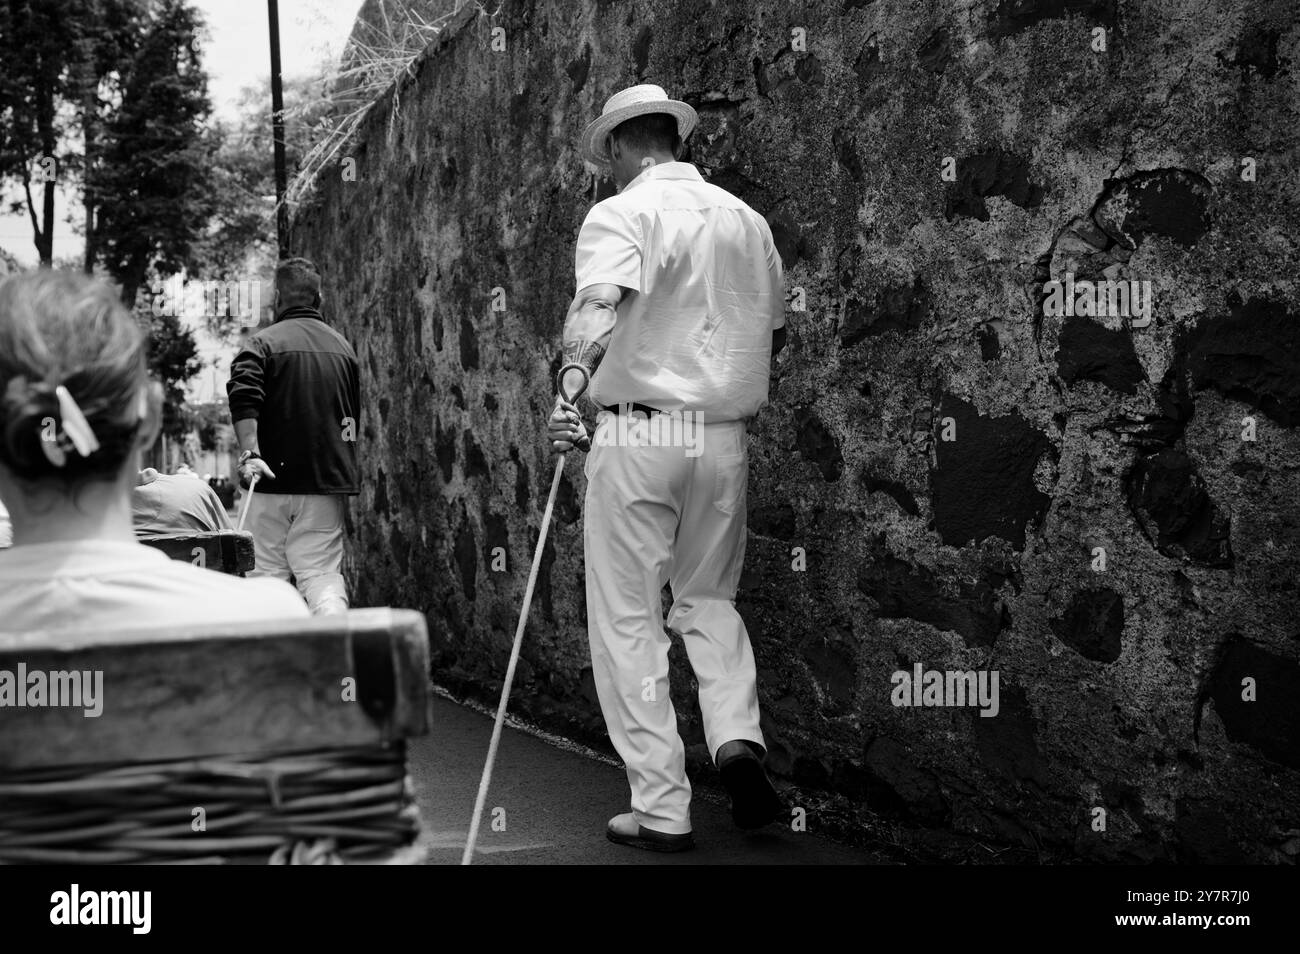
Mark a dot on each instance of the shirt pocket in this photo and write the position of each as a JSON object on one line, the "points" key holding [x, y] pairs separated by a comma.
{"points": [[729, 482]]}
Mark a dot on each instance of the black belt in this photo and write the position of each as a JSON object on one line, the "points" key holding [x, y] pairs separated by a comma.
{"points": [[645, 409]]}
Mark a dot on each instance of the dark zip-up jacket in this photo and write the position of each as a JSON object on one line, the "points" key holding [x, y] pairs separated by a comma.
{"points": [[299, 379]]}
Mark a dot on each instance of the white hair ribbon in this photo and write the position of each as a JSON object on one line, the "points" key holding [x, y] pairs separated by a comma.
{"points": [[75, 424]]}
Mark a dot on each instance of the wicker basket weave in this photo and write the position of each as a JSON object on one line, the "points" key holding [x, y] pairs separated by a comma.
{"points": [[352, 804]]}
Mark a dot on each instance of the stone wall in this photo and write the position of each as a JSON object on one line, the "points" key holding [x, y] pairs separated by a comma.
{"points": [[952, 473]]}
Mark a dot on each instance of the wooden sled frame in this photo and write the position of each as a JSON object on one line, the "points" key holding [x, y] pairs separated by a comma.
{"points": [[227, 551]]}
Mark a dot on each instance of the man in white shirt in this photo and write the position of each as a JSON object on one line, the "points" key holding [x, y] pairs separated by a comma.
{"points": [[679, 309]]}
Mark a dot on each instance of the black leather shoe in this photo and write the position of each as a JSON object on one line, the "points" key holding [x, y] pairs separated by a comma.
{"points": [[754, 802], [624, 830]]}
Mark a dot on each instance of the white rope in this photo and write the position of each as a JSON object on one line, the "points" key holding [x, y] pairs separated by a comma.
{"points": [[486, 780], [248, 498]]}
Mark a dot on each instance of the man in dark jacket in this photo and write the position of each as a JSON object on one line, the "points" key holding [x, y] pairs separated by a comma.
{"points": [[295, 400]]}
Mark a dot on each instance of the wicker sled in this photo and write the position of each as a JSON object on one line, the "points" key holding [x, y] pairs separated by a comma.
{"points": [[282, 742]]}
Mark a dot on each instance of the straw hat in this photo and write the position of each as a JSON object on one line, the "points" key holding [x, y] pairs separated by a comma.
{"points": [[622, 106]]}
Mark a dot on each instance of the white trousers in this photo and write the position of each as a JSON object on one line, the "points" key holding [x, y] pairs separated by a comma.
{"points": [[300, 536], [653, 515]]}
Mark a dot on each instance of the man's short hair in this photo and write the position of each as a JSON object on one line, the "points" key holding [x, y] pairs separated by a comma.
{"points": [[651, 131], [297, 280]]}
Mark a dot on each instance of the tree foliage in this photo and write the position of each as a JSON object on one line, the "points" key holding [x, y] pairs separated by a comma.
{"points": [[152, 176], [240, 242], [109, 95], [173, 361], [37, 49]]}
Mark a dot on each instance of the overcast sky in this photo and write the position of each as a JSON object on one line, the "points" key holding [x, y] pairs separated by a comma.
{"points": [[235, 54], [238, 48]]}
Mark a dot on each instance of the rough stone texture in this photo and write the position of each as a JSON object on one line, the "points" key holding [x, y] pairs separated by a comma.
{"points": [[993, 172], [1169, 499], [1121, 687], [1087, 351], [1276, 729], [982, 482], [1092, 624], [1252, 355]]}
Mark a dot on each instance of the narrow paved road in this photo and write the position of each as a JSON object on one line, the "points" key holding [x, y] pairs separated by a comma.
{"points": [[556, 802]]}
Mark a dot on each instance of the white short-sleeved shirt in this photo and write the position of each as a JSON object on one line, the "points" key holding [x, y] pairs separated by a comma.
{"points": [[91, 586], [695, 333]]}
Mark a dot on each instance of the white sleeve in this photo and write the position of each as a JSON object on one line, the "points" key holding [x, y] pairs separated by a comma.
{"points": [[609, 249]]}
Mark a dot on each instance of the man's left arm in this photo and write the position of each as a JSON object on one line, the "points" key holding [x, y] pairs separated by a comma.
{"points": [[588, 328], [246, 391], [607, 265]]}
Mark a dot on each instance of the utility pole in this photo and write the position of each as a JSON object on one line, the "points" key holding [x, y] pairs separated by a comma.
{"points": [[277, 130]]}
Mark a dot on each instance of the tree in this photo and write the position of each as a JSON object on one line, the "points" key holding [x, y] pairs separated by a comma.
{"points": [[152, 176], [212, 424], [60, 66], [37, 51], [241, 239], [109, 39], [173, 361], [125, 76]]}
